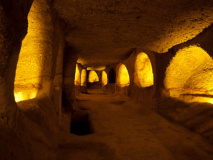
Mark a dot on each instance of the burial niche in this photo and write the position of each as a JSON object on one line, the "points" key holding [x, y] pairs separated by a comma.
{"points": [[143, 71], [123, 76], [93, 77], [190, 75]]}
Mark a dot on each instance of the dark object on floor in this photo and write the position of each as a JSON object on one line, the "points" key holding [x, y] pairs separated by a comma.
{"points": [[80, 123]]}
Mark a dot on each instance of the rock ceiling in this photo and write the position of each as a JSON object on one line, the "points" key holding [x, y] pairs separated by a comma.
{"points": [[104, 32]]}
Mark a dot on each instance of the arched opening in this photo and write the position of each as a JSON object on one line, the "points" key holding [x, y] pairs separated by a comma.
{"points": [[143, 71], [34, 65], [83, 77], [77, 75], [104, 78], [123, 76], [93, 80], [112, 76], [93, 77], [190, 75]]}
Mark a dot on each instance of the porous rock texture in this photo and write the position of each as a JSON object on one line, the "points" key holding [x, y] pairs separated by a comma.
{"points": [[28, 130], [42, 40], [110, 29], [13, 28]]}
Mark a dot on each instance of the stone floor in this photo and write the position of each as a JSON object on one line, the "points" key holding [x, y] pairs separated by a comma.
{"points": [[124, 130]]}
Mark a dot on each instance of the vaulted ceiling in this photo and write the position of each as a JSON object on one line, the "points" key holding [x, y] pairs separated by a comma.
{"points": [[104, 32]]}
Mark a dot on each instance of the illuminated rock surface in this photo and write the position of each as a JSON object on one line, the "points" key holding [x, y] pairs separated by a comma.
{"points": [[190, 72], [143, 70], [123, 76], [83, 77], [77, 75], [151, 96], [104, 78], [93, 77]]}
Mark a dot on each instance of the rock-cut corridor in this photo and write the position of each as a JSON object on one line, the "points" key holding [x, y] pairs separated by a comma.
{"points": [[123, 130], [106, 80]]}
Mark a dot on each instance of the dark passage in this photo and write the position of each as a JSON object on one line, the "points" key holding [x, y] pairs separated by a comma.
{"points": [[112, 76]]}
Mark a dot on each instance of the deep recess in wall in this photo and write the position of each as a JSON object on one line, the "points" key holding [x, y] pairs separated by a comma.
{"points": [[143, 71], [123, 79], [112, 76], [190, 74]]}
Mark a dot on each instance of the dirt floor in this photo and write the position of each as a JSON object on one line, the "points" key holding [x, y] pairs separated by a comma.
{"points": [[124, 130]]}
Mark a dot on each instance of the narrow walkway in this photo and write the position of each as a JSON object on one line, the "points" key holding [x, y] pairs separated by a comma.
{"points": [[124, 130]]}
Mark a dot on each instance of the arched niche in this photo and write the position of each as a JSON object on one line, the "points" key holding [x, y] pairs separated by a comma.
{"points": [[123, 79], [34, 67], [190, 75], [77, 75], [83, 77], [93, 77], [143, 75], [104, 78], [112, 76]]}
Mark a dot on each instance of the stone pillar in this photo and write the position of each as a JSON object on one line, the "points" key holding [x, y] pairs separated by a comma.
{"points": [[13, 28]]}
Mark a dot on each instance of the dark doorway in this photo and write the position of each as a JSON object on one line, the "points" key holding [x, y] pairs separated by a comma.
{"points": [[112, 76]]}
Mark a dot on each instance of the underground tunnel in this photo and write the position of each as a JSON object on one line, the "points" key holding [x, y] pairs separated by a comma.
{"points": [[106, 80]]}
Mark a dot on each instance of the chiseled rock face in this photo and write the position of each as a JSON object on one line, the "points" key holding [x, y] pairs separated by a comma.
{"points": [[13, 28], [105, 31], [36, 49], [37, 60]]}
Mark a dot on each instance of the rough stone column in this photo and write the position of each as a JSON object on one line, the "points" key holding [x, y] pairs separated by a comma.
{"points": [[84, 80], [99, 73], [58, 75], [70, 60], [13, 28], [78, 78], [68, 90]]}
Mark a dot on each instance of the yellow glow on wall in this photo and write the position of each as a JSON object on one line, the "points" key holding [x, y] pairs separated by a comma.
{"points": [[143, 71], [93, 77], [77, 75], [31, 58], [190, 75], [104, 78], [18, 96], [83, 77], [123, 76], [25, 94], [210, 100]]}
